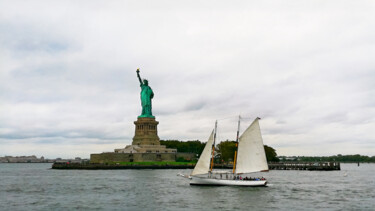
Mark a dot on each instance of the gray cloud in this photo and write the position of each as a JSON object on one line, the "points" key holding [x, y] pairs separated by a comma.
{"points": [[68, 78]]}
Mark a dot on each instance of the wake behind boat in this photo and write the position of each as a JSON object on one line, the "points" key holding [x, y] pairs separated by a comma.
{"points": [[250, 157]]}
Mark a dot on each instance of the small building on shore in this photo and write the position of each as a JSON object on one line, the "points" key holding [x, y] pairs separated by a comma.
{"points": [[22, 159]]}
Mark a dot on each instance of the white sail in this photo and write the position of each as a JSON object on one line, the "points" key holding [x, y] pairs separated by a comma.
{"points": [[203, 164], [251, 156]]}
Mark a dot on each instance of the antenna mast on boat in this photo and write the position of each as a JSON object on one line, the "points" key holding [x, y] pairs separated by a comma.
{"points": [[213, 148], [235, 152]]}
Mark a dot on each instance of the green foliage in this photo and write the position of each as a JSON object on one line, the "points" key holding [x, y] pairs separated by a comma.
{"points": [[226, 150], [181, 159], [271, 154], [185, 146]]}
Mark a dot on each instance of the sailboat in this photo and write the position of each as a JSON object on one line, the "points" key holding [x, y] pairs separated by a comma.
{"points": [[249, 157]]}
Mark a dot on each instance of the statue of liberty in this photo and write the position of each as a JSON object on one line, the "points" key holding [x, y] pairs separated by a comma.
{"points": [[146, 95]]}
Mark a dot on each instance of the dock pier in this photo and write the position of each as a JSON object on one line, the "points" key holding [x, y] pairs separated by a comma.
{"points": [[310, 166]]}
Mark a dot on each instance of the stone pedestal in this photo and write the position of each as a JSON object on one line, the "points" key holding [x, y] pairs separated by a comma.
{"points": [[146, 139], [146, 132], [145, 146]]}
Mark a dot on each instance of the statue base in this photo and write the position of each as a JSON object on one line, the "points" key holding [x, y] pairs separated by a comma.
{"points": [[146, 132], [145, 146], [146, 139]]}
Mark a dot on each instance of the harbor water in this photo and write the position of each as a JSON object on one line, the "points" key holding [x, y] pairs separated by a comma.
{"points": [[38, 187]]}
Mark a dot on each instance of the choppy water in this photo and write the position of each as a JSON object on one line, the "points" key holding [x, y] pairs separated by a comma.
{"points": [[37, 187]]}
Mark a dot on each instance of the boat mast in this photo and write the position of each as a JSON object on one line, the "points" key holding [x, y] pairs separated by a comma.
{"points": [[213, 148], [235, 152]]}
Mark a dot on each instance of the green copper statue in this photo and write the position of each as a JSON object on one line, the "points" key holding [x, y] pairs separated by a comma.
{"points": [[146, 95]]}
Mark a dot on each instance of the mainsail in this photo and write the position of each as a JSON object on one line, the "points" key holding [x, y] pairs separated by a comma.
{"points": [[251, 155], [203, 164]]}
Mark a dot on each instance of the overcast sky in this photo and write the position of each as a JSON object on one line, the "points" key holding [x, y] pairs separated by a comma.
{"points": [[68, 85]]}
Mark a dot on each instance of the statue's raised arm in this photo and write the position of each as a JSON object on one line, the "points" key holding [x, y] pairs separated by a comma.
{"points": [[139, 77]]}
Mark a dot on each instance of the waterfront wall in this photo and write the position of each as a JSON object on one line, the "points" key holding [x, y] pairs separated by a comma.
{"points": [[131, 157], [111, 157], [96, 166]]}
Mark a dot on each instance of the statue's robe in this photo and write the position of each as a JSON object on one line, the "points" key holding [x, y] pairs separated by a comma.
{"points": [[146, 95]]}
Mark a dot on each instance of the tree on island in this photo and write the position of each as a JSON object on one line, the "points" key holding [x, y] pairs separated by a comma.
{"points": [[225, 149], [194, 146], [271, 154]]}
